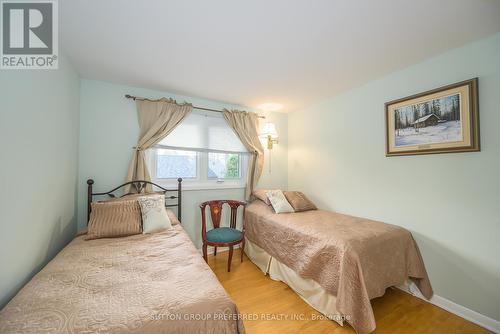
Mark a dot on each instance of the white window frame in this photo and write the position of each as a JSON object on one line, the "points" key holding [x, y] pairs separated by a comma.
{"points": [[201, 181]]}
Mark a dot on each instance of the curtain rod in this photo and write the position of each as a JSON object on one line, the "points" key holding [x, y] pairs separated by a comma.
{"points": [[128, 96]]}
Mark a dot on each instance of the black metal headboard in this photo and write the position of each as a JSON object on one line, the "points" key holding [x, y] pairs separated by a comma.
{"points": [[140, 186]]}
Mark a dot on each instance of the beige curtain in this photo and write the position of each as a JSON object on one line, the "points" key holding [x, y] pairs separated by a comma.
{"points": [[246, 127], [156, 120]]}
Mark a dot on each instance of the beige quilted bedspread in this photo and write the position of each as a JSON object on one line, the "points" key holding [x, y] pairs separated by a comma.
{"points": [[354, 259], [155, 283]]}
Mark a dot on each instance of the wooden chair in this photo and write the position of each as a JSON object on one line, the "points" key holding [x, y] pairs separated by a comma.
{"points": [[222, 236]]}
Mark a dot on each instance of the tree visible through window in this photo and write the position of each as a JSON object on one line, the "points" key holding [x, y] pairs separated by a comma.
{"points": [[223, 165], [233, 166]]}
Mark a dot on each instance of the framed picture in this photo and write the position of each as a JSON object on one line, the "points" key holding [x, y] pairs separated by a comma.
{"points": [[443, 120]]}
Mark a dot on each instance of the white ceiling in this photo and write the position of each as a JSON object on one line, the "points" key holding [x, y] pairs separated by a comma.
{"points": [[255, 51]]}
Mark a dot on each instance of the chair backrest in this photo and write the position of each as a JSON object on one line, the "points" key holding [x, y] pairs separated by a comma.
{"points": [[216, 211]]}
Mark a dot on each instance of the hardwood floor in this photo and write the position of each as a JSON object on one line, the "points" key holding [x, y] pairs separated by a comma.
{"points": [[266, 300]]}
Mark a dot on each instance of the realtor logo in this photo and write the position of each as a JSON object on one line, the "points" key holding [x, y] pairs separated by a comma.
{"points": [[29, 34]]}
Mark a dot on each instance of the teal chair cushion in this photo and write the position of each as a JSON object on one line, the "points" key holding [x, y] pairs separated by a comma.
{"points": [[224, 234]]}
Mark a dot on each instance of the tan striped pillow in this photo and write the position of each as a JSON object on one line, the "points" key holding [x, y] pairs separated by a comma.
{"points": [[299, 201], [114, 219], [262, 195], [135, 197]]}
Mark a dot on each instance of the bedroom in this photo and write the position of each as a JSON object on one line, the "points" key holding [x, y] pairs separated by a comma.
{"points": [[352, 107]]}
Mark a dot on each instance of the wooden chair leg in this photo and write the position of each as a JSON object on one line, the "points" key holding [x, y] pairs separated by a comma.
{"points": [[205, 253], [215, 250], [242, 248], [230, 258]]}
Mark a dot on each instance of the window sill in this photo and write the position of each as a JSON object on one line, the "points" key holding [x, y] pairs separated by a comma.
{"points": [[187, 186]]}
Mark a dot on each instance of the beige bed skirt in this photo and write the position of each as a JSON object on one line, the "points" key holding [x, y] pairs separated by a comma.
{"points": [[310, 291]]}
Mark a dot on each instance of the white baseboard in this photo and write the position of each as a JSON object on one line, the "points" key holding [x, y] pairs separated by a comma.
{"points": [[462, 311]]}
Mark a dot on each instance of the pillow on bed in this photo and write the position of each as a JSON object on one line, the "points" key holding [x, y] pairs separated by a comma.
{"points": [[262, 195], [154, 214], [299, 201], [279, 202], [135, 197], [130, 197], [114, 219]]}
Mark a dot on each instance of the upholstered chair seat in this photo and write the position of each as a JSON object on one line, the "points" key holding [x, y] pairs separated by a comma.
{"points": [[224, 234]]}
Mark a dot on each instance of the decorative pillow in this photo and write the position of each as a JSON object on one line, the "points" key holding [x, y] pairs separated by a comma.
{"points": [[262, 195], [299, 201], [279, 202], [131, 197], [114, 219], [135, 197], [154, 214]]}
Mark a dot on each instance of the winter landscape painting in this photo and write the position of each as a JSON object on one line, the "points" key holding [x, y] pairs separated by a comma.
{"points": [[438, 121], [434, 121]]}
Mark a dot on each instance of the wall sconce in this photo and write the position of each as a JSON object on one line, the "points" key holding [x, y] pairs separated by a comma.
{"points": [[269, 132], [271, 135]]}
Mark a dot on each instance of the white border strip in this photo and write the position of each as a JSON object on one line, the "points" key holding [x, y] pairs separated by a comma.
{"points": [[462, 311]]}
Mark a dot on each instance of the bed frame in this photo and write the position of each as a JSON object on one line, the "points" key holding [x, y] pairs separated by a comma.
{"points": [[140, 186]]}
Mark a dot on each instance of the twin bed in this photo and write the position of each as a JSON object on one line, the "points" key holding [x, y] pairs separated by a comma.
{"points": [[159, 283], [144, 283], [336, 263]]}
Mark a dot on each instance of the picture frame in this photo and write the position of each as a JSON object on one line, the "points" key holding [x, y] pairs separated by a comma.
{"points": [[442, 120]]}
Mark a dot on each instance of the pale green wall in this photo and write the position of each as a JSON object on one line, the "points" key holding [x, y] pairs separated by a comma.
{"points": [[336, 156], [109, 130], [450, 202], [38, 169]]}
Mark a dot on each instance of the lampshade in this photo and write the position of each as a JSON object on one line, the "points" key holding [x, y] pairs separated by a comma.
{"points": [[269, 129]]}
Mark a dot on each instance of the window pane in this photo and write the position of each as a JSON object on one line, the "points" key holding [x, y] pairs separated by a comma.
{"points": [[224, 165], [172, 164]]}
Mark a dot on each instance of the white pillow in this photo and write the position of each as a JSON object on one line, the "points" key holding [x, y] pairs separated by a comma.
{"points": [[279, 202], [154, 214]]}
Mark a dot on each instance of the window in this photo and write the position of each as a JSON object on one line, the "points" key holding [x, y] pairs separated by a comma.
{"points": [[203, 150], [224, 166], [172, 164]]}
